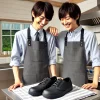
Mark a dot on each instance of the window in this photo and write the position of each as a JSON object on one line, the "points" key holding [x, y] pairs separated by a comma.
{"points": [[8, 32]]}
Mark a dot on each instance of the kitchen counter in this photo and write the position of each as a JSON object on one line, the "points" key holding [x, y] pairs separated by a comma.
{"points": [[10, 95]]}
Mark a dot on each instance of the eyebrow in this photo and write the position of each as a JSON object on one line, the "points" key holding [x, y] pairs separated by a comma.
{"points": [[67, 16], [42, 16]]}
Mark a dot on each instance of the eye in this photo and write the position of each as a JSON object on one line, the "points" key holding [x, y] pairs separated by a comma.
{"points": [[41, 18], [67, 18], [62, 23], [47, 20]]}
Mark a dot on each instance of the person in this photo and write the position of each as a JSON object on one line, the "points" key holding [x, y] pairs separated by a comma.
{"points": [[35, 48], [76, 45]]}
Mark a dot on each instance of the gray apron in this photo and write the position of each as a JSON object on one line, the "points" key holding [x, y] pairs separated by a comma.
{"points": [[36, 60], [74, 65]]}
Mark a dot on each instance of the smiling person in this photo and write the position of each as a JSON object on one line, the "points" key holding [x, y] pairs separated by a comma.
{"points": [[76, 45], [35, 48]]}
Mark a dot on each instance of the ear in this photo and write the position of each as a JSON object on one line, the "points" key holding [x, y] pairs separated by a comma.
{"points": [[33, 14], [77, 17]]}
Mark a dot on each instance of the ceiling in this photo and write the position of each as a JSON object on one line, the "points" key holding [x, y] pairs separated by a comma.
{"points": [[61, 1], [58, 3]]}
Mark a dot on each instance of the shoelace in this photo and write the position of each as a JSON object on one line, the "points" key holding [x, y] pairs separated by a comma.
{"points": [[57, 83], [45, 80]]}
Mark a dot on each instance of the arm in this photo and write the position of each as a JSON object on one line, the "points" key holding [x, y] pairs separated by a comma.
{"points": [[15, 63], [94, 84], [52, 70], [52, 55], [95, 57], [52, 30], [96, 75], [16, 74], [17, 82]]}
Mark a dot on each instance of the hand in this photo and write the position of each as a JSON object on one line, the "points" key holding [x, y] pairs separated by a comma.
{"points": [[90, 86], [52, 30], [59, 78], [14, 86]]}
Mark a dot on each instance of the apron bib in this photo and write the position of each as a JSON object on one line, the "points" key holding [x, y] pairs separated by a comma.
{"points": [[36, 61], [74, 65]]}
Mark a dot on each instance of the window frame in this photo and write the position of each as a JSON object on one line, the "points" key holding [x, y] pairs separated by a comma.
{"points": [[11, 28]]}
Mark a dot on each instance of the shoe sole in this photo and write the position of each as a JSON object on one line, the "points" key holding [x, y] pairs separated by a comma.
{"points": [[51, 96], [36, 93]]}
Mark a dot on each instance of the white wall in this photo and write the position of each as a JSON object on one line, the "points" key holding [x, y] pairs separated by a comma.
{"points": [[20, 10], [15, 9]]}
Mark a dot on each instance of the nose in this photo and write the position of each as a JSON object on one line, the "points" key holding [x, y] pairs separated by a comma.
{"points": [[43, 21], [64, 21]]}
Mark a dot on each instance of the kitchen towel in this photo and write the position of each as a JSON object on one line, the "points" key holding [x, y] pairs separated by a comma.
{"points": [[76, 94]]}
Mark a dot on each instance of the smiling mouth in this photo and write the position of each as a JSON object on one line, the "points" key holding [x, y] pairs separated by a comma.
{"points": [[40, 24], [67, 25]]}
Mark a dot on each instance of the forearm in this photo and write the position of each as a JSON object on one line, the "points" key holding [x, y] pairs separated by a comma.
{"points": [[52, 70], [96, 75], [16, 73]]}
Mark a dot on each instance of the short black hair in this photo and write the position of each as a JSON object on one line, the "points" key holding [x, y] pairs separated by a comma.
{"points": [[69, 8], [40, 7]]}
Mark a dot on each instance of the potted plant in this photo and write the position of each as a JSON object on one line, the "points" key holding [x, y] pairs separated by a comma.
{"points": [[5, 51], [9, 51]]}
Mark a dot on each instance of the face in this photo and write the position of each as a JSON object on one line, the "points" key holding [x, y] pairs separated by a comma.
{"points": [[40, 21], [69, 23]]}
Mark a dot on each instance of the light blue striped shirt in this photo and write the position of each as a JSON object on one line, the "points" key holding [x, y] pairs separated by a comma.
{"points": [[91, 45], [20, 43]]}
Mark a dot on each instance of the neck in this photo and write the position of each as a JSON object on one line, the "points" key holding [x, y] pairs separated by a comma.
{"points": [[35, 26], [75, 27]]}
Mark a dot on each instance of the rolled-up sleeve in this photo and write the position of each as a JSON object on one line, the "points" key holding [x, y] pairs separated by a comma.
{"points": [[94, 51], [52, 50], [16, 51]]}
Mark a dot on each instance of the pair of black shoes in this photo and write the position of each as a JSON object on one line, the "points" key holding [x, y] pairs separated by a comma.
{"points": [[52, 88], [46, 83]]}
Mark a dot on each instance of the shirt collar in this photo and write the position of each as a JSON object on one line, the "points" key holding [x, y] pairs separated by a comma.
{"points": [[33, 30], [76, 30]]}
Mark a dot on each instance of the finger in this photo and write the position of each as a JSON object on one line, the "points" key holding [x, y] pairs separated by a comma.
{"points": [[11, 88], [21, 85], [51, 31], [15, 86], [56, 32], [93, 87], [84, 86], [87, 86]]}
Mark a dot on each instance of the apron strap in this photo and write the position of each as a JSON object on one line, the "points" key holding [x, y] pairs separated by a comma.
{"points": [[45, 38], [82, 38], [28, 37], [66, 39]]}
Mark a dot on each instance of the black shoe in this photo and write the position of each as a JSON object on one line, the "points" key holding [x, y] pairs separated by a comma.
{"points": [[58, 89], [46, 83]]}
